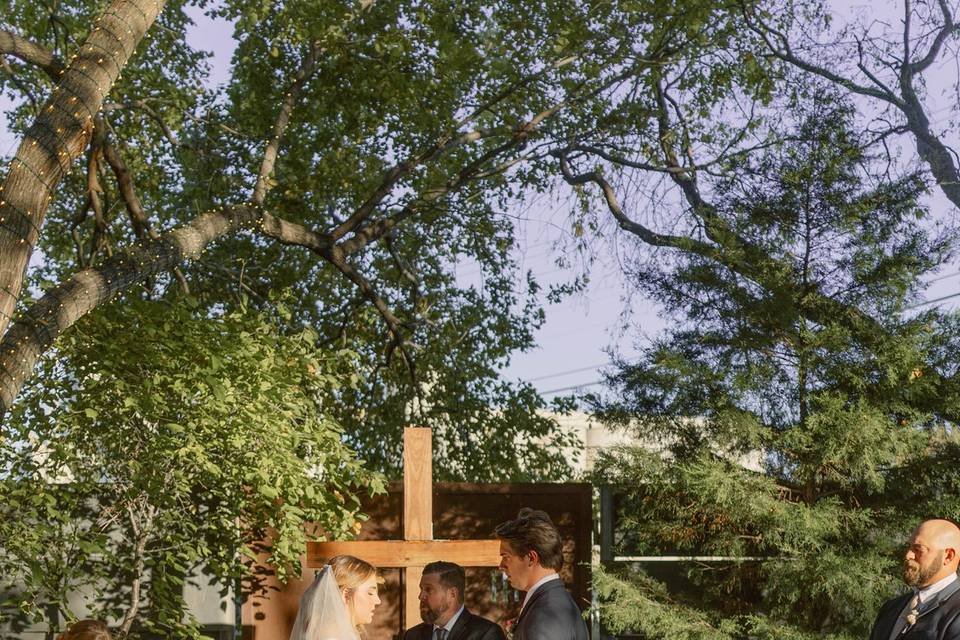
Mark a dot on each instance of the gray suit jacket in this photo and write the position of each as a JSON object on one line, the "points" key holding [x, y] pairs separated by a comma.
{"points": [[551, 614], [467, 627], [937, 619]]}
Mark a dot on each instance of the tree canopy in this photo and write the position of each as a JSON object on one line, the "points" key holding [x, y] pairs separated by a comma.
{"points": [[369, 164]]}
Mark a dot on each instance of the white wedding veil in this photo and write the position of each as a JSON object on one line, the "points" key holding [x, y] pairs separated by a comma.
{"points": [[322, 614]]}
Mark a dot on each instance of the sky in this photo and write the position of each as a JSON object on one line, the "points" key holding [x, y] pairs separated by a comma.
{"points": [[574, 343]]}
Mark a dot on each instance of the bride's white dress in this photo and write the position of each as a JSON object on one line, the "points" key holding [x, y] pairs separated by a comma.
{"points": [[322, 614]]}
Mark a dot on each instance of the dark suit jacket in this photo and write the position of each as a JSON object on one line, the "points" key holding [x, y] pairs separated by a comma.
{"points": [[937, 619], [467, 627], [551, 614]]}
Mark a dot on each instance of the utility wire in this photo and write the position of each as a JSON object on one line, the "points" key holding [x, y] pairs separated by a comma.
{"points": [[941, 299], [564, 373], [572, 387]]}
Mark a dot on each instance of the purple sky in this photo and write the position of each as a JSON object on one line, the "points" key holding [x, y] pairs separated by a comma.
{"points": [[573, 341]]}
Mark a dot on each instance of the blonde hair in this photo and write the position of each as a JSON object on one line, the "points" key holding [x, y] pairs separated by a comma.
{"points": [[350, 572], [86, 630]]}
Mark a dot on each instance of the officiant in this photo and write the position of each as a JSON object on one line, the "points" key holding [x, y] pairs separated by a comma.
{"points": [[444, 615]]}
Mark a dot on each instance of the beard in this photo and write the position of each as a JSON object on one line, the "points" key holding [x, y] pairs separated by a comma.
{"points": [[917, 575], [431, 615]]}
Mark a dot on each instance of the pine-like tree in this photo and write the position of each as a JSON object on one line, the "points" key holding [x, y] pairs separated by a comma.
{"points": [[807, 447]]}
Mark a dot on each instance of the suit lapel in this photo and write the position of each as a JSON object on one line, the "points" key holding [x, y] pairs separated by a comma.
{"points": [[541, 590], [942, 597], [461, 626]]}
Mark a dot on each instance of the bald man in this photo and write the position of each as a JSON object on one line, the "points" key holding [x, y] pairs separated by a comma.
{"points": [[931, 609]]}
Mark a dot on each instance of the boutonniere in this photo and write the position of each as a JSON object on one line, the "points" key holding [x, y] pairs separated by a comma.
{"points": [[912, 617], [510, 625]]}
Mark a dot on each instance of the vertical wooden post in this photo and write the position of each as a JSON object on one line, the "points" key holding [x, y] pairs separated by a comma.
{"points": [[417, 509], [417, 484]]}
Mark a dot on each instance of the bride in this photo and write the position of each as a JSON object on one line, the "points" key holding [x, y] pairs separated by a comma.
{"points": [[339, 602]]}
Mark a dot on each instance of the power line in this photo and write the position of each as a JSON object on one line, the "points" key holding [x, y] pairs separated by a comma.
{"points": [[939, 278], [564, 373], [572, 387], [941, 299]]}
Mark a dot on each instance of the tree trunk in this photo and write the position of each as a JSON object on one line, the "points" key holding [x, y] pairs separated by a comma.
{"points": [[59, 135]]}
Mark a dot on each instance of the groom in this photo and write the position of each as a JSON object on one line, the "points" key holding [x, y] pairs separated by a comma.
{"points": [[530, 556]]}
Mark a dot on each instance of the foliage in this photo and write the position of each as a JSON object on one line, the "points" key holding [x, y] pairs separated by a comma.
{"points": [[633, 600], [780, 438], [144, 459], [391, 81]]}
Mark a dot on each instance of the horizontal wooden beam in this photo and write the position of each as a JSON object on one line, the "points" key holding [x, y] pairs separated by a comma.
{"points": [[409, 553]]}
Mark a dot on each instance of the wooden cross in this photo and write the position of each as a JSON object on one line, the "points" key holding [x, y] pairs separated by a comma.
{"points": [[418, 547]]}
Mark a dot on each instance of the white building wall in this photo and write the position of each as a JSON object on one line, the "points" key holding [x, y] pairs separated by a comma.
{"points": [[595, 437]]}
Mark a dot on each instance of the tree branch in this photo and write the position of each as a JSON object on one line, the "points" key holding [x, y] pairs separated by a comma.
{"points": [[786, 54], [24, 89], [948, 29], [60, 307], [31, 53], [448, 143], [401, 170], [138, 217], [94, 191], [142, 105], [624, 221], [290, 97]]}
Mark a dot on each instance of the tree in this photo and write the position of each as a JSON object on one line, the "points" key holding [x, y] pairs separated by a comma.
{"points": [[374, 161], [149, 457], [371, 163], [835, 425]]}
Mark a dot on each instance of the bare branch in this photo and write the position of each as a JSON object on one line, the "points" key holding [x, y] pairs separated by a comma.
{"points": [[870, 75], [401, 170], [138, 217], [907, 15], [291, 233], [337, 258], [948, 29], [785, 52], [78, 219], [407, 271], [94, 190], [623, 220], [141, 535]]}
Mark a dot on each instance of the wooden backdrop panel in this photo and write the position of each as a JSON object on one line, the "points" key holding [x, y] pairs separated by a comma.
{"points": [[461, 511]]}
